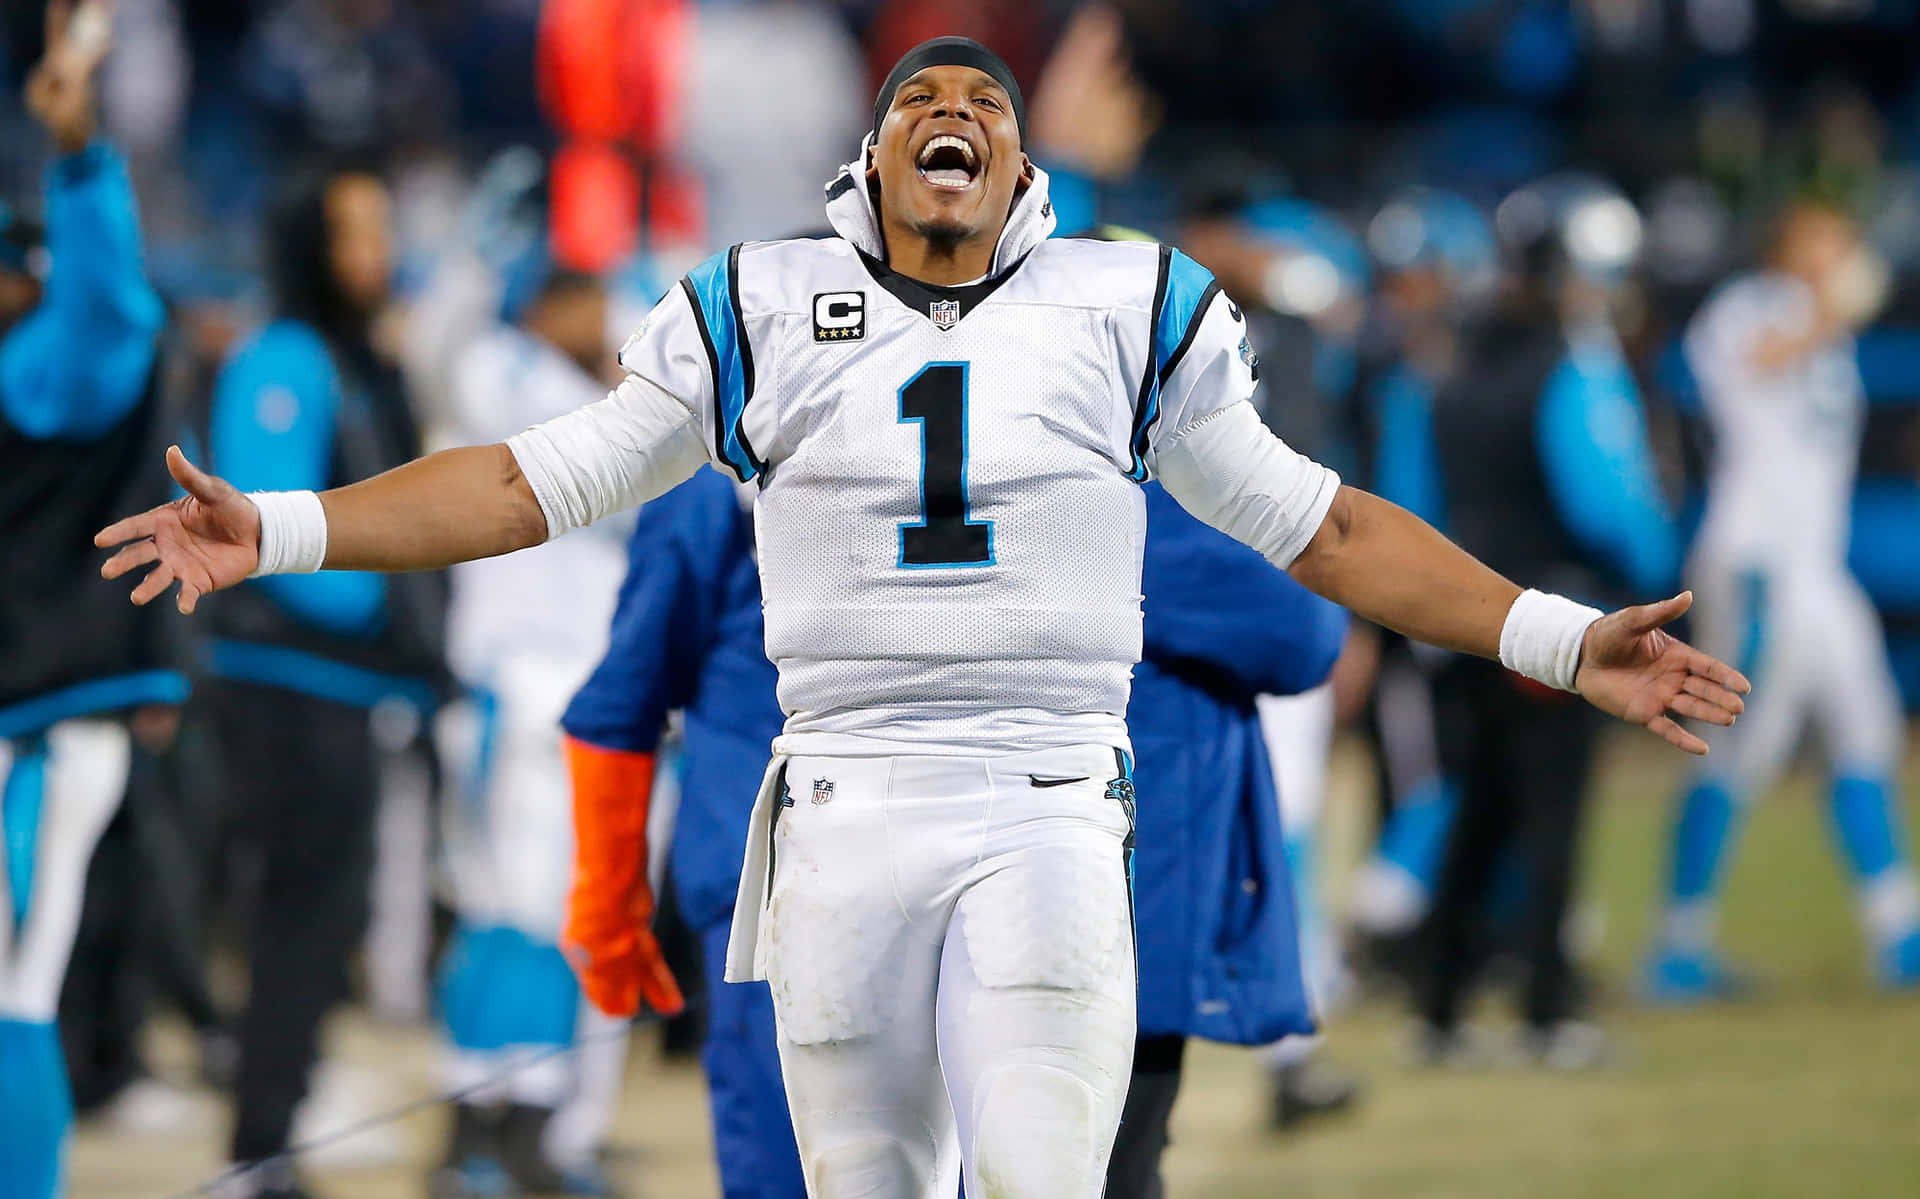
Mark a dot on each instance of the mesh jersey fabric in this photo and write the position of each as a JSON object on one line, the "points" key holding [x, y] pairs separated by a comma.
{"points": [[1786, 442], [1080, 361]]}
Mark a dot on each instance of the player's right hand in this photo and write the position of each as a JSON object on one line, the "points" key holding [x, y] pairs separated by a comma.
{"points": [[621, 968], [609, 935], [206, 540]]}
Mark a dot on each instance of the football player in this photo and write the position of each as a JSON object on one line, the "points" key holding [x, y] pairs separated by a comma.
{"points": [[947, 415]]}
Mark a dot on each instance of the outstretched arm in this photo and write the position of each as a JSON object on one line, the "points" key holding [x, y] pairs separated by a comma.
{"points": [[449, 507], [1391, 567]]}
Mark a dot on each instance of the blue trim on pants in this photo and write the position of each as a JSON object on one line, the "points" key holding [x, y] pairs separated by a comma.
{"points": [[1415, 836], [1699, 841], [1867, 822], [36, 1110], [20, 804]]}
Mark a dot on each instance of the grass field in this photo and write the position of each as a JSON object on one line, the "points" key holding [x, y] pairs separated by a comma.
{"points": [[1812, 1090]]}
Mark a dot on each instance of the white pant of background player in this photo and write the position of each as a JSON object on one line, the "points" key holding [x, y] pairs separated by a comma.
{"points": [[950, 945], [1808, 636], [509, 851], [85, 775], [1811, 633]]}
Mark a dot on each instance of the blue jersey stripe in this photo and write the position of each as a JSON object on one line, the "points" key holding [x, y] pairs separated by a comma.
{"points": [[713, 288]]}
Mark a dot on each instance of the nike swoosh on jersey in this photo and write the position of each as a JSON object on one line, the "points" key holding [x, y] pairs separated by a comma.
{"points": [[1037, 781]]}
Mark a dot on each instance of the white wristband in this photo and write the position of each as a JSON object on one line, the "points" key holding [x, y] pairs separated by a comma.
{"points": [[1543, 635], [293, 532]]}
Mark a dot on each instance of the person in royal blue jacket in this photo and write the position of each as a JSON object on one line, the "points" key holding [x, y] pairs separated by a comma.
{"points": [[1216, 923], [687, 635], [79, 331], [1217, 952]]}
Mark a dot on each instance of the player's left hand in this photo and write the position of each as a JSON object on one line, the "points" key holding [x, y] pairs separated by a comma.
{"points": [[1631, 669]]}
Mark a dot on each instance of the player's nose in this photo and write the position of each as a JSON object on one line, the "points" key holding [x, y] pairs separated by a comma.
{"points": [[954, 106]]}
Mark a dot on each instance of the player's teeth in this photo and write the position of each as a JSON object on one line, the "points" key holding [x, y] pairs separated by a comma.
{"points": [[944, 141]]}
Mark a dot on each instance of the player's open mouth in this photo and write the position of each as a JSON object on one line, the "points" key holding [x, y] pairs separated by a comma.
{"points": [[948, 162]]}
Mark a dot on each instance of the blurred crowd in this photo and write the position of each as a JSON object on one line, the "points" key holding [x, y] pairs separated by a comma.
{"points": [[1478, 242]]}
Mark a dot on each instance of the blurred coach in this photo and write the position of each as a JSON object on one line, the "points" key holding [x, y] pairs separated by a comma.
{"points": [[1547, 473], [300, 663]]}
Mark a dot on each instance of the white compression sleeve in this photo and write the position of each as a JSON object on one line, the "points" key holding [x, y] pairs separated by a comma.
{"points": [[1232, 472], [636, 445]]}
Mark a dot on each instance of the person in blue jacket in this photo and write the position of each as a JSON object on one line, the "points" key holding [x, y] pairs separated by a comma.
{"points": [[301, 664], [687, 635], [79, 331], [1216, 922], [1216, 939]]}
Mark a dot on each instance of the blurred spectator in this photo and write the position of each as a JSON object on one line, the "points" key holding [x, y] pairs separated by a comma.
{"points": [[523, 632], [1547, 475], [79, 418], [1291, 266], [1435, 260], [775, 102], [1775, 359], [299, 663]]}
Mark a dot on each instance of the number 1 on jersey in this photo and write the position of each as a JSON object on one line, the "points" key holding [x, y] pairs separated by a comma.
{"points": [[944, 535]]}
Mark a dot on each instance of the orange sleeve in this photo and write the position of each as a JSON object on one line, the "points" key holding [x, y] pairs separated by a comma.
{"points": [[610, 908]]}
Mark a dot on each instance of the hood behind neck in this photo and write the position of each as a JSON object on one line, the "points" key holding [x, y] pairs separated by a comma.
{"points": [[850, 212]]}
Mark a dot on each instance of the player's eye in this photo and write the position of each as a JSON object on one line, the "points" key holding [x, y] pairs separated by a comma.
{"points": [[918, 98], [988, 101]]}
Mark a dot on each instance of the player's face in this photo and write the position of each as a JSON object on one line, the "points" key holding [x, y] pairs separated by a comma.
{"points": [[1815, 242], [360, 246], [575, 321], [949, 155]]}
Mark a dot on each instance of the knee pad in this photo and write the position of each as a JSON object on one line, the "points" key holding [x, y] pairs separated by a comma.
{"points": [[1040, 1132], [868, 1167]]}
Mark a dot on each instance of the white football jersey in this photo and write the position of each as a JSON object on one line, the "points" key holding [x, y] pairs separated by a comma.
{"points": [[949, 521], [1787, 441]]}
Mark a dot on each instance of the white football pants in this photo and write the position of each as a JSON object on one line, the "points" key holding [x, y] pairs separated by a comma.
{"points": [[86, 775], [1808, 637], [949, 943]]}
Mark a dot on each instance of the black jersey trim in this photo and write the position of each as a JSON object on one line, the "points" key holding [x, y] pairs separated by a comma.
{"points": [[713, 364], [1186, 339], [920, 296], [1144, 407], [746, 360]]}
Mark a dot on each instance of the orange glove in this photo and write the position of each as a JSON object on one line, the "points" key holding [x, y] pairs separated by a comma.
{"points": [[609, 936]]}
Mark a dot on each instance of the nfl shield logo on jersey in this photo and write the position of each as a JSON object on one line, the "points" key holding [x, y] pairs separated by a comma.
{"points": [[822, 790], [945, 313]]}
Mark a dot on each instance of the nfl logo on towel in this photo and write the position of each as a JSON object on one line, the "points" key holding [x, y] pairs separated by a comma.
{"points": [[822, 790], [945, 313]]}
